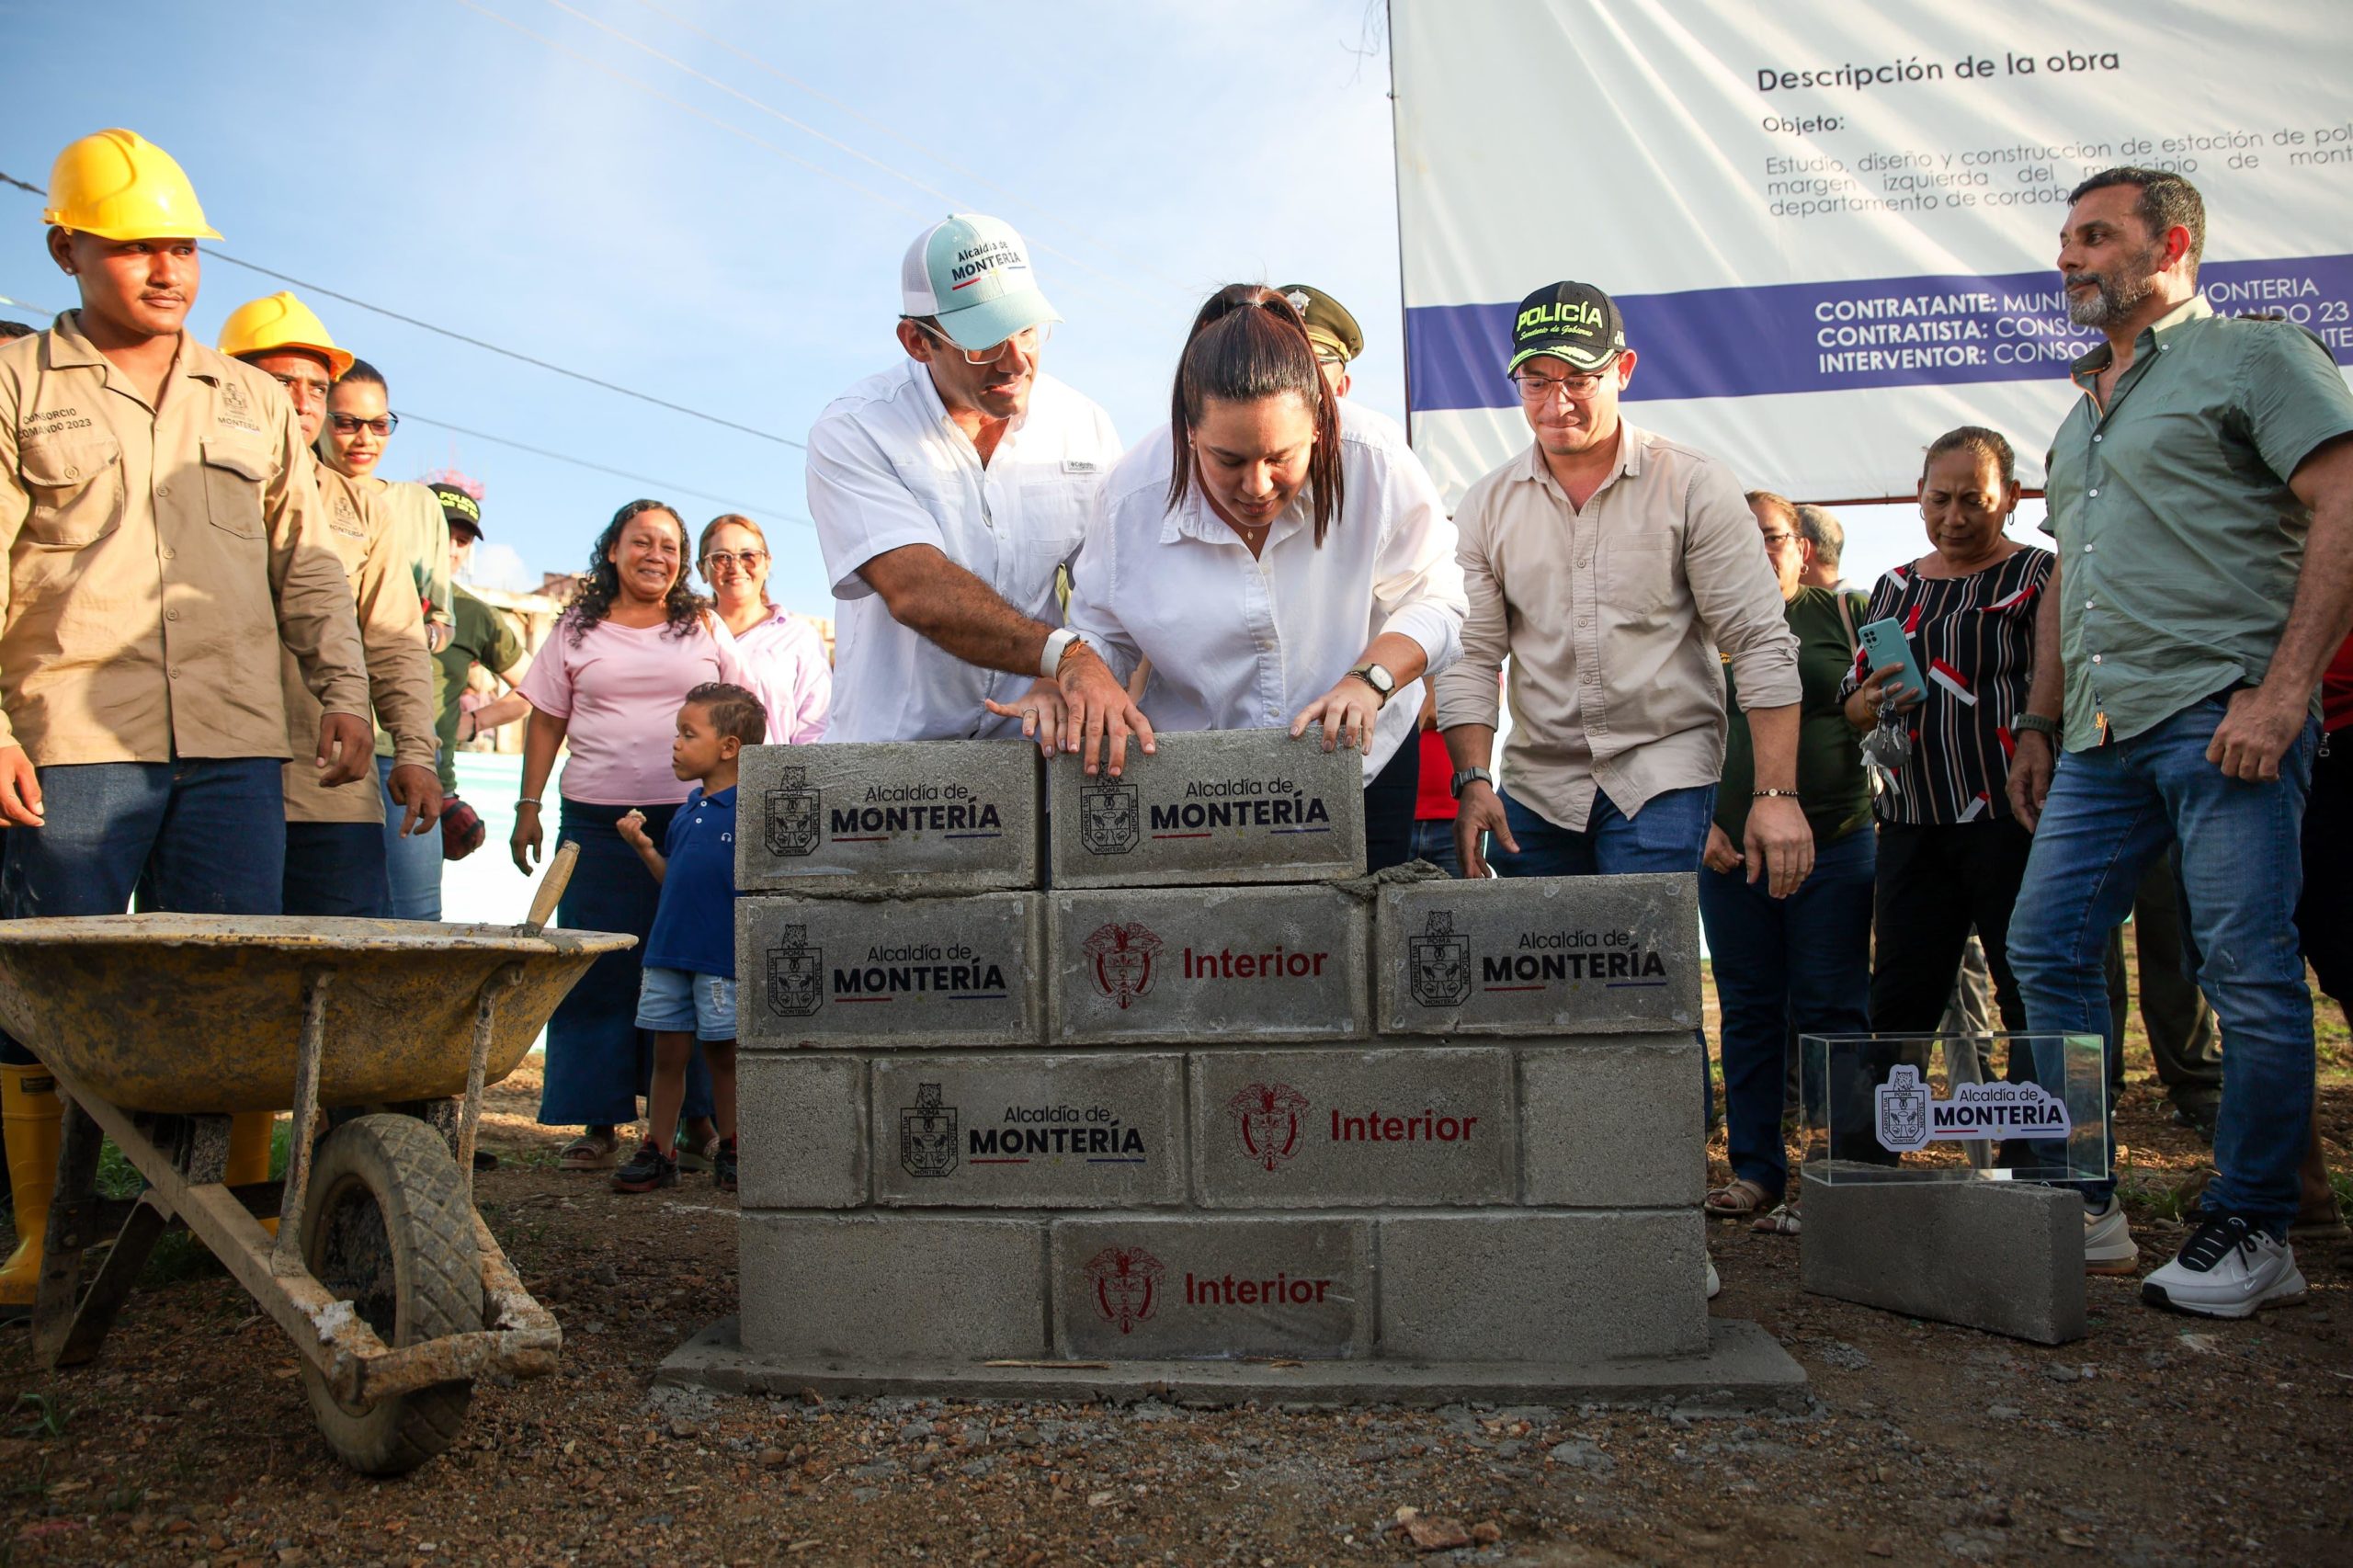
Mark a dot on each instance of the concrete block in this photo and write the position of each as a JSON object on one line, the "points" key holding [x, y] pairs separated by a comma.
{"points": [[1349, 1129], [915, 973], [1205, 964], [1136, 1288], [2003, 1256], [1538, 955], [803, 1131], [1613, 1122], [1543, 1287], [923, 817], [1209, 806], [891, 1287], [1029, 1131]]}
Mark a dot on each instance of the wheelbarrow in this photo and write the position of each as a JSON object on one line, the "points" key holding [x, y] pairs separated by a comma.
{"points": [[157, 1028]]}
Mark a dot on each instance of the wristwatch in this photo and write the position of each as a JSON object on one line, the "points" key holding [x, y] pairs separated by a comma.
{"points": [[2036, 723], [1465, 776], [1378, 678], [1057, 645]]}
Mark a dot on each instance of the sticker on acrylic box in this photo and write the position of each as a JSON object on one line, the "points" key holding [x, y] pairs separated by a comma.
{"points": [[1910, 1117]]}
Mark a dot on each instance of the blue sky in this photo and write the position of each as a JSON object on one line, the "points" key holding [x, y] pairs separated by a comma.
{"points": [[429, 157]]}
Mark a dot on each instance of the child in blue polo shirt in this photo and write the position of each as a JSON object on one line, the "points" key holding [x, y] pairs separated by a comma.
{"points": [[689, 992]]}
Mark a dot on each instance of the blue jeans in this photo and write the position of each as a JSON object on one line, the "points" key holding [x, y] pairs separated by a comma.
{"points": [[1434, 841], [2115, 810], [337, 869], [1666, 834], [197, 836], [1801, 962], [413, 866]]}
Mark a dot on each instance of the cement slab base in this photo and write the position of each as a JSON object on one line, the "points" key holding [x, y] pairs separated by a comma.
{"points": [[1743, 1369]]}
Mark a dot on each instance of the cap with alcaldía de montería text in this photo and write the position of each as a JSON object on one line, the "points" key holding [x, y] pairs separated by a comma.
{"points": [[972, 275]]}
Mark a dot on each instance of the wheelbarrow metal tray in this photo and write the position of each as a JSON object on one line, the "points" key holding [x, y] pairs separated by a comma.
{"points": [[185, 1014]]}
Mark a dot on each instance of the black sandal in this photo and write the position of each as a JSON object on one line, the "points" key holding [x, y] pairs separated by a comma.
{"points": [[647, 1170]]}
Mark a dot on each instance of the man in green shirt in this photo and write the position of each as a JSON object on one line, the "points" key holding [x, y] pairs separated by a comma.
{"points": [[2201, 495], [480, 636]]}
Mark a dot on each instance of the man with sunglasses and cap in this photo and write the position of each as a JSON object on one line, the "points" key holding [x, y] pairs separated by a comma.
{"points": [[947, 491], [1612, 565]]}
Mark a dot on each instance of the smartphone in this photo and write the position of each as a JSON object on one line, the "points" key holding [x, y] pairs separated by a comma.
{"points": [[1884, 643]]}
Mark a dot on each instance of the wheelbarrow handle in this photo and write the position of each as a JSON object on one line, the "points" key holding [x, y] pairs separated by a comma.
{"points": [[551, 893]]}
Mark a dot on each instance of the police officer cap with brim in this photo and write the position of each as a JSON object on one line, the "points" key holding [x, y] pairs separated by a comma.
{"points": [[1573, 321], [1329, 325], [461, 509]]}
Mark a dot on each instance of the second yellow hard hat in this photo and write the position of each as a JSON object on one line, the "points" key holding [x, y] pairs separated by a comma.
{"points": [[279, 321], [119, 185]]}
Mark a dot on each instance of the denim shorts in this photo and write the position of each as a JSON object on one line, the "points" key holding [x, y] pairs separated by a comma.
{"points": [[671, 1000]]}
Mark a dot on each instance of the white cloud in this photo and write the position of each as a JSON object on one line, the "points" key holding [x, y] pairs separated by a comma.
{"points": [[500, 566]]}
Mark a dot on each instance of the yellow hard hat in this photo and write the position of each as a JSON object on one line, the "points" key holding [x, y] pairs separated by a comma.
{"points": [[280, 320], [119, 185]]}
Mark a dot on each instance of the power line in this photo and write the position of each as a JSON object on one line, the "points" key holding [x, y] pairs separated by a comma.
{"points": [[940, 158], [659, 484], [473, 342], [651, 91]]}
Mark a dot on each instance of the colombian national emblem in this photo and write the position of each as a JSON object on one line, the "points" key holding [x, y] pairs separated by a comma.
{"points": [[792, 814], [1439, 961], [795, 975], [1269, 1118], [1122, 956], [1124, 1284], [1903, 1103], [928, 1136], [1110, 818]]}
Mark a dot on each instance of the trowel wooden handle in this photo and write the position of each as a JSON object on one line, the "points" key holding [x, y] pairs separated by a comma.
{"points": [[551, 893]]}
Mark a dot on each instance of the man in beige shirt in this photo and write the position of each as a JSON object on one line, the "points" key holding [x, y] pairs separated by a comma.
{"points": [[163, 537], [1611, 565], [334, 838]]}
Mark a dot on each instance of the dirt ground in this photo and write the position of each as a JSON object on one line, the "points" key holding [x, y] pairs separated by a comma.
{"points": [[2157, 1440]]}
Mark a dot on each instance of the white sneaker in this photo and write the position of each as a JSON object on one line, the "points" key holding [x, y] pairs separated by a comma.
{"points": [[2108, 1247], [2228, 1268], [1714, 1284]]}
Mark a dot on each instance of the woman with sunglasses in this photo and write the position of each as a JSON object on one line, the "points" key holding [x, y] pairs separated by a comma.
{"points": [[781, 651], [351, 441], [606, 686], [1279, 555]]}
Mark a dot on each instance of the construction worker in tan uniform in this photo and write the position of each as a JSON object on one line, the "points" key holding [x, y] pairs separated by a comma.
{"points": [[334, 838], [162, 536]]}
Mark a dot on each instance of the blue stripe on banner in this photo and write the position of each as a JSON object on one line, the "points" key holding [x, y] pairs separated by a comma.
{"points": [[1879, 332]]}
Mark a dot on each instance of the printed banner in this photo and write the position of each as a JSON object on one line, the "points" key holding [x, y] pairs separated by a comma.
{"points": [[1833, 228]]}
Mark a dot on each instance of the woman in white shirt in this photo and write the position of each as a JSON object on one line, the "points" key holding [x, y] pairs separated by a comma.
{"points": [[1281, 557]]}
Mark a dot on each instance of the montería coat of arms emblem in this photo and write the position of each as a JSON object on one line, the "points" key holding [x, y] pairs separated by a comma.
{"points": [[1903, 1105], [1438, 962], [792, 814], [1122, 955], [1269, 1118], [1110, 818], [928, 1136], [1124, 1285], [796, 972]]}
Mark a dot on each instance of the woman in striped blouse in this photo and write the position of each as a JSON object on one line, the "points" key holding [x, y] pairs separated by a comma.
{"points": [[1951, 853]]}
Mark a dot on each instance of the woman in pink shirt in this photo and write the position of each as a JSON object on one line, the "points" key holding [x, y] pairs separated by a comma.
{"points": [[782, 652], [608, 682]]}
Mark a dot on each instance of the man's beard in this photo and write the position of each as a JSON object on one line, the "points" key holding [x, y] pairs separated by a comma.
{"points": [[2115, 298]]}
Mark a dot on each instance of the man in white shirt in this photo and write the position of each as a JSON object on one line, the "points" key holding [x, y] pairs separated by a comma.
{"points": [[947, 491]]}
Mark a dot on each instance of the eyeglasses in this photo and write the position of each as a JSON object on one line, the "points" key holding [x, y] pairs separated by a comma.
{"points": [[749, 560], [1332, 361], [1030, 340], [1535, 386], [1779, 538], [351, 423]]}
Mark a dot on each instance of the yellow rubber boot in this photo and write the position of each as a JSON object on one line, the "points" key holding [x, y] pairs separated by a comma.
{"points": [[249, 1133], [30, 1114]]}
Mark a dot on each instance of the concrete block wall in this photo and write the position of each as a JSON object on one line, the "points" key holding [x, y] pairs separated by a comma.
{"points": [[1246, 1118]]}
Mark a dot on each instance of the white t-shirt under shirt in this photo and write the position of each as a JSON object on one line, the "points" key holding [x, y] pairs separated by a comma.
{"points": [[1243, 643], [888, 468]]}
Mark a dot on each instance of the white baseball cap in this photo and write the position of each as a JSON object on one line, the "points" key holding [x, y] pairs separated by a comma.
{"points": [[972, 274]]}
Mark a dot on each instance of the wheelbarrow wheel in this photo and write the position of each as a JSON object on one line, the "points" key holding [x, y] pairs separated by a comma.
{"points": [[388, 1228]]}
